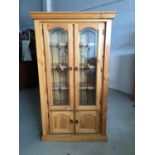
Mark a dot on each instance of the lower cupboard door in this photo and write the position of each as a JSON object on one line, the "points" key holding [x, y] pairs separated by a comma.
{"points": [[87, 122], [61, 122]]}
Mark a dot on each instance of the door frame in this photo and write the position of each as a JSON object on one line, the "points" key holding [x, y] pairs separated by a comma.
{"points": [[73, 55], [89, 116], [68, 115], [69, 28], [100, 27]]}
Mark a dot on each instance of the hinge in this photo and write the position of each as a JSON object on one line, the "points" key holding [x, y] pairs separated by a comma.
{"points": [[45, 70], [48, 122], [100, 121]]}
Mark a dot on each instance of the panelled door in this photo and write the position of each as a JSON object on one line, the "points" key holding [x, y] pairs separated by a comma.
{"points": [[58, 41], [89, 41], [74, 54]]}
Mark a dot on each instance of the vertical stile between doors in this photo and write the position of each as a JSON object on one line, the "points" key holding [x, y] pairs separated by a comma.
{"points": [[76, 60], [71, 64]]}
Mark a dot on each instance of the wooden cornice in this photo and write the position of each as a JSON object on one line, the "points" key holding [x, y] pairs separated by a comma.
{"points": [[71, 15]]}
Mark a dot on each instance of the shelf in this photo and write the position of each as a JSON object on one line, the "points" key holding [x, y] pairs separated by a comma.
{"points": [[87, 84], [86, 45], [60, 84], [87, 88], [81, 88], [59, 45], [87, 66], [60, 88]]}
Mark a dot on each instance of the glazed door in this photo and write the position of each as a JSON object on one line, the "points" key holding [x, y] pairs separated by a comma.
{"points": [[58, 41], [89, 42]]}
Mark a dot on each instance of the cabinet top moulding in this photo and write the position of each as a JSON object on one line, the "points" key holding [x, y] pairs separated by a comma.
{"points": [[72, 15]]}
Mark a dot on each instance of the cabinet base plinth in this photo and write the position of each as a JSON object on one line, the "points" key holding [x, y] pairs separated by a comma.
{"points": [[74, 137]]}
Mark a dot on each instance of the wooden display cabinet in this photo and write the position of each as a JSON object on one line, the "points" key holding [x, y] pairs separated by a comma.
{"points": [[73, 63]]}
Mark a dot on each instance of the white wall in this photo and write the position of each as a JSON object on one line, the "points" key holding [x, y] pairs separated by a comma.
{"points": [[122, 42], [47, 5], [25, 6], [123, 31]]}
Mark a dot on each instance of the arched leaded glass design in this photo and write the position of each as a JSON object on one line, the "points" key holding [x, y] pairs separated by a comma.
{"points": [[88, 54], [59, 55]]}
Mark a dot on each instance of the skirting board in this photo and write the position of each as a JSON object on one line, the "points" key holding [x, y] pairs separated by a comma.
{"points": [[74, 137]]}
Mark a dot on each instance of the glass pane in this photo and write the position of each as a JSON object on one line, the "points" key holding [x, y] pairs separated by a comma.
{"points": [[88, 53], [87, 97], [59, 72]]}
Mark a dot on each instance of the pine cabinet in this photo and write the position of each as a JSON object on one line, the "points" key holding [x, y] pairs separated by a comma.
{"points": [[73, 62]]}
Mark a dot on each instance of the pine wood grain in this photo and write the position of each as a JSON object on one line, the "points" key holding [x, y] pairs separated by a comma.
{"points": [[61, 122], [72, 15], [88, 122], [106, 76], [74, 137], [42, 77]]}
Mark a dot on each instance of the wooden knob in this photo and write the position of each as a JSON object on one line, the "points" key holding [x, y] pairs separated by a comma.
{"points": [[70, 68], [75, 69], [71, 121]]}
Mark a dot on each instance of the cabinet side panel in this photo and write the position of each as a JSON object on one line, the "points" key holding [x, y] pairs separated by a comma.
{"points": [[48, 66], [42, 76], [106, 75], [99, 64]]}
